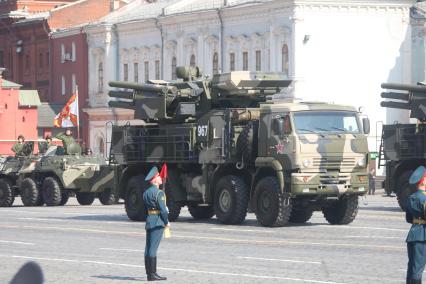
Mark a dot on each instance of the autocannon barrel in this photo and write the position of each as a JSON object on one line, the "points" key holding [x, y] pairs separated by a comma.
{"points": [[396, 96], [121, 95], [404, 87], [395, 105], [139, 87], [118, 104]]}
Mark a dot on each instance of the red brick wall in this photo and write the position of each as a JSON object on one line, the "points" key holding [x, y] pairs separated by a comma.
{"points": [[32, 6], [76, 14]]}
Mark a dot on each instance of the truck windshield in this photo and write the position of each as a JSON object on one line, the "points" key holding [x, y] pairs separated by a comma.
{"points": [[326, 121]]}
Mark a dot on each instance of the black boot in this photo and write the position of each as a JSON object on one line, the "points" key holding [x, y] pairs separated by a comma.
{"points": [[148, 268], [154, 269]]}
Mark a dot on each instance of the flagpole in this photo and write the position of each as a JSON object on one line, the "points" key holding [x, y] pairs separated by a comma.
{"points": [[78, 114]]}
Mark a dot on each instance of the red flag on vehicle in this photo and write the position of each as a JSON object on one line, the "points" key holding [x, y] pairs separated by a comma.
{"points": [[163, 172]]}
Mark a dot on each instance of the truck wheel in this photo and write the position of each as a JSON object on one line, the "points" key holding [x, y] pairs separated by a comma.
{"points": [[30, 195], [85, 198], [246, 145], [51, 191], [300, 214], [133, 203], [231, 200], [405, 189], [64, 198], [7, 195], [271, 208], [343, 211], [106, 197], [174, 210], [201, 212]]}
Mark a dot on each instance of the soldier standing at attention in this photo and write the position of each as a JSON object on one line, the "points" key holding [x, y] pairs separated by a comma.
{"points": [[19, 146], [157, 219], [66, 138], [416, 239]]}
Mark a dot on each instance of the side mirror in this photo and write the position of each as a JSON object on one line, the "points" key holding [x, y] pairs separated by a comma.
{"points": [[366, 125]]}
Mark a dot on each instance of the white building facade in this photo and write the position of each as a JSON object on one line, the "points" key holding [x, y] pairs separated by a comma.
{"points": [[335, 51]]}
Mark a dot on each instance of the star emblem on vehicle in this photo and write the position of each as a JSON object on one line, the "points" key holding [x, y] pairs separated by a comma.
{"points": [[280, 148]]}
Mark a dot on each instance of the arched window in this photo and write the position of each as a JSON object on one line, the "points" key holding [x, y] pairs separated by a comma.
{"points": [[174, 63], [285, 59], [215, 63], [245, 61], [74, 83], [63, 86], [258, 60], [192, 61], [232, 61], [100, 78], [73, 52], [101, 146]]}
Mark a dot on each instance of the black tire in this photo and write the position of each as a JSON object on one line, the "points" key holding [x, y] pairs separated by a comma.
{"points": [[201, 212], [85, 198], [231, 200], [30, 194], [51, 191], [271, 207], [135, 208], [343, 211], [300, 214], [7, 195], [64, 198], [106, 197], [174, 210], [405, 189], [247, 142]]}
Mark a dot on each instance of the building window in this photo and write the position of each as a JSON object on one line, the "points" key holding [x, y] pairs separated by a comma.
{"points": [[245, 60], [47, 59], [174, 63], [27, 62], [74, 84], [258, 60], [146, 65], [73, 52], [192, 61], [126, 72], [215, 63], [40, 60], [135, 72], [101, 146], [63, 86], [232, 61], [157, 69], [100, 78], [285, 59], [62, 53]]}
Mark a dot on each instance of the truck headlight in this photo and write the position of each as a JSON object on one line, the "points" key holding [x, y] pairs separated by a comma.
{"points": [[361, 162], [307, 163]]}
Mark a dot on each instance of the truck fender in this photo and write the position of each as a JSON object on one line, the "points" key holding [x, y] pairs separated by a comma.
{"points": [[263, 164]]}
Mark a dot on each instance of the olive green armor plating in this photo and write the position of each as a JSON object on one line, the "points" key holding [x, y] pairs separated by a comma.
{"points": [[231, 147]]}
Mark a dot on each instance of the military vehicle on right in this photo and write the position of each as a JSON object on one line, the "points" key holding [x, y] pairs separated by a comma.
{"points": [[403, 145], [230, 147]]}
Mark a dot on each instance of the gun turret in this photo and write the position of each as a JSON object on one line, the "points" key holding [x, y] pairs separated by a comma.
{"points": [[194, 96], [413, 98]]}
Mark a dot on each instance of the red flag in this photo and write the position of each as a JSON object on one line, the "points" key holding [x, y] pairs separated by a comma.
{"points": [[163, 172], [68, 117]]}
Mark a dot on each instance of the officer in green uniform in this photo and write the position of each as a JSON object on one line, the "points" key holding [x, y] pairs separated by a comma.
{"points": [[416, 239], [66, 138], [157, 219], [19, 146]]}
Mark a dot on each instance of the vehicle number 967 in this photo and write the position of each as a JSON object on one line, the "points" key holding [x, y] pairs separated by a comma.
{"points": [[202, 130]]}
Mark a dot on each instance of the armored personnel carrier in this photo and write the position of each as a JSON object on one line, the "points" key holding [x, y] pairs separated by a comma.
{"points": [[229, 148], [402, 147]]}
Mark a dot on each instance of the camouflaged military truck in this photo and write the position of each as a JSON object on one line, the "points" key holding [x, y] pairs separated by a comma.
{"points": [[51, 178], [230, 148], [402, 147]]}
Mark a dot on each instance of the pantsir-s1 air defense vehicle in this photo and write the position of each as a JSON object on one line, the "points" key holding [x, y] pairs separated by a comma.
{"points": [[403, 146], [230, 148]]}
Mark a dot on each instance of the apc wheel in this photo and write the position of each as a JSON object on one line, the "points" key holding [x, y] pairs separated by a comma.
{"points": [[300, 215], [270, 206], [30, 194], [64, 198], [7, 196], [405, 189], [343, 211], [85, 198], [51, 191], [231, 200], [201, 212], [135, 208], [107, 197]]}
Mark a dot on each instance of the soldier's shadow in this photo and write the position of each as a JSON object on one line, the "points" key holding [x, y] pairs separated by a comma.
{"points": [[122, 278]]}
